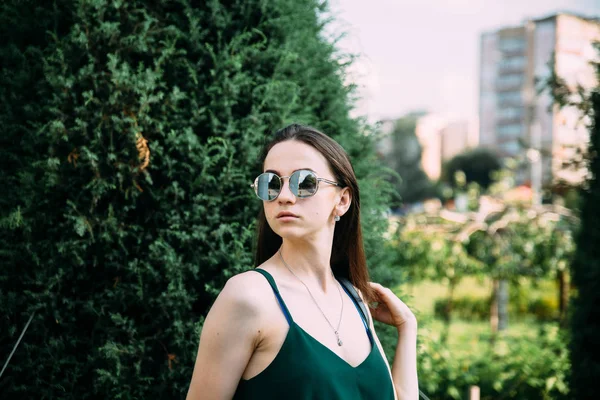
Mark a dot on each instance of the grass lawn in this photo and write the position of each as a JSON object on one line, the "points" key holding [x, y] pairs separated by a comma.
{"points": [[468, 336], [471, 337], [421, 297]]}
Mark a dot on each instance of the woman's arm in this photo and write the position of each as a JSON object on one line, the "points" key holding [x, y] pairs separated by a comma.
{"points": [[392, 311], [227, 341]]}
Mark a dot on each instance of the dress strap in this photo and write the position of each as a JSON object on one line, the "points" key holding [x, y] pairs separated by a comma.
{"points": [[359, 304], [271, 281]]}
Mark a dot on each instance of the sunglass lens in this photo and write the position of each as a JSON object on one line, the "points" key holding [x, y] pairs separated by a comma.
{"points": [[268, 186], [304, 183]]}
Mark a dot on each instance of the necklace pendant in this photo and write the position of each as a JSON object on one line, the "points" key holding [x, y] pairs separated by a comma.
{"points": [[339, 341]]}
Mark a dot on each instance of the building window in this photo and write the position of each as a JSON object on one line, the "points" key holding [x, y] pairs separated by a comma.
{"points": [[510, 113], [512, 44], [512, 63], [509, 81], [511, 147], [513, 130], [509, 97]]}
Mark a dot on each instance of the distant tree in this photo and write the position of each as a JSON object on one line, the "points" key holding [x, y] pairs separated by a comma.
{"points": [[503, 241], [477, 165], [404, 158]]}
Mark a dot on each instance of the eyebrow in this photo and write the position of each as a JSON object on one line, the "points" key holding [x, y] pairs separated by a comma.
{"points": [[299, 169]]}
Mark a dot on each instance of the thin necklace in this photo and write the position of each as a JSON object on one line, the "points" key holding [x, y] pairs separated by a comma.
{"points": [[335, 330]]}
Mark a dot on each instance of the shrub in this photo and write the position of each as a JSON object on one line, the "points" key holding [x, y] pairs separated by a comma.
{"points": [[528, 369], [544, 308], [131, 131], [466, 307]]}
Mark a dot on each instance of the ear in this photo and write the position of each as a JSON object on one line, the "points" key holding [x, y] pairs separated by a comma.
{"points": [[344, 201]]}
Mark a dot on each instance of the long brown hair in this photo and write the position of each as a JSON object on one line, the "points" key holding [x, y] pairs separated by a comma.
{"points": [[347, 255]]}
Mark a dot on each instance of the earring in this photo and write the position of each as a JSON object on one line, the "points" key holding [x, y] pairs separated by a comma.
{"points": [[337, 218]]}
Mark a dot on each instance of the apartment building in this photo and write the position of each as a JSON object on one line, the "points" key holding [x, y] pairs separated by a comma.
{"points": [[515, 118]]}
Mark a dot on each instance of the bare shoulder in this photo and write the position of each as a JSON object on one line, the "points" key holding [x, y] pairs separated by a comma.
{"points": [[230, 334], [239, 307], [245, 291]]}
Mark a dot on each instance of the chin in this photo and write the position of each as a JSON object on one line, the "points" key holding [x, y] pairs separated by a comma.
{"points": [[288, 230], [296, 233]]}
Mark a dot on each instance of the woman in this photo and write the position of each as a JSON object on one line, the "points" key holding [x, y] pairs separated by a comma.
{"points": [[288, 329]]}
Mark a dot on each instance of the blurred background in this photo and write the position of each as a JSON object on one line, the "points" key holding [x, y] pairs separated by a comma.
{"points": [[490, 161], [132, 130]]}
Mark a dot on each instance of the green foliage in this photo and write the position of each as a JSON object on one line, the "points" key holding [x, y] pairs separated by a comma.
{"points": [[130, 133], [585, 322], [523, 242], [544, 308], [506, 243], [522, 369], [585, 268], [427, 248], [465, 307], [478, 165]]}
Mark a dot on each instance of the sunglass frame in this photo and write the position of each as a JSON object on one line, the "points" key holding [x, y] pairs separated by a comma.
{"points": [[319, 180]]}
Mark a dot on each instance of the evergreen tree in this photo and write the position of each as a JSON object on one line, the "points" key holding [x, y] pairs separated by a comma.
{"points": [[585, 321], [584, 348], [131, 131]]}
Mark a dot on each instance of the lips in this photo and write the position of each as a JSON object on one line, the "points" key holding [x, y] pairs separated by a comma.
{"points": [[287, 214]]}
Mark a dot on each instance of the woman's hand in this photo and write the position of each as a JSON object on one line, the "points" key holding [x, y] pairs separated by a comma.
{"points": [[390, 309]]}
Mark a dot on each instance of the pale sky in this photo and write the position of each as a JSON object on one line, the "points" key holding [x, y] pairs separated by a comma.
{"points": [[424, 54]]}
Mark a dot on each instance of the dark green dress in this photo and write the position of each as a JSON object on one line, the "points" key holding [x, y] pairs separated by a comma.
{"points": [[305, 369]]}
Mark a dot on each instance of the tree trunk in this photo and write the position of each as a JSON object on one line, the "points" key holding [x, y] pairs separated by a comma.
{"points": [[494, 311], [563, 296], [502, 305], [448, 311]]}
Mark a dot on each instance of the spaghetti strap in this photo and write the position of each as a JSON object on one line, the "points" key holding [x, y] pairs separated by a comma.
{"points": [[271, 281], [359, 304]]}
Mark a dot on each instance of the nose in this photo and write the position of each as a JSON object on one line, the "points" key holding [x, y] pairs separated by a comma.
{"points": [[286, 195]]}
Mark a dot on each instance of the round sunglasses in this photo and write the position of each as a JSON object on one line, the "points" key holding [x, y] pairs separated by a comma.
{"points": [[303, 183]]}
